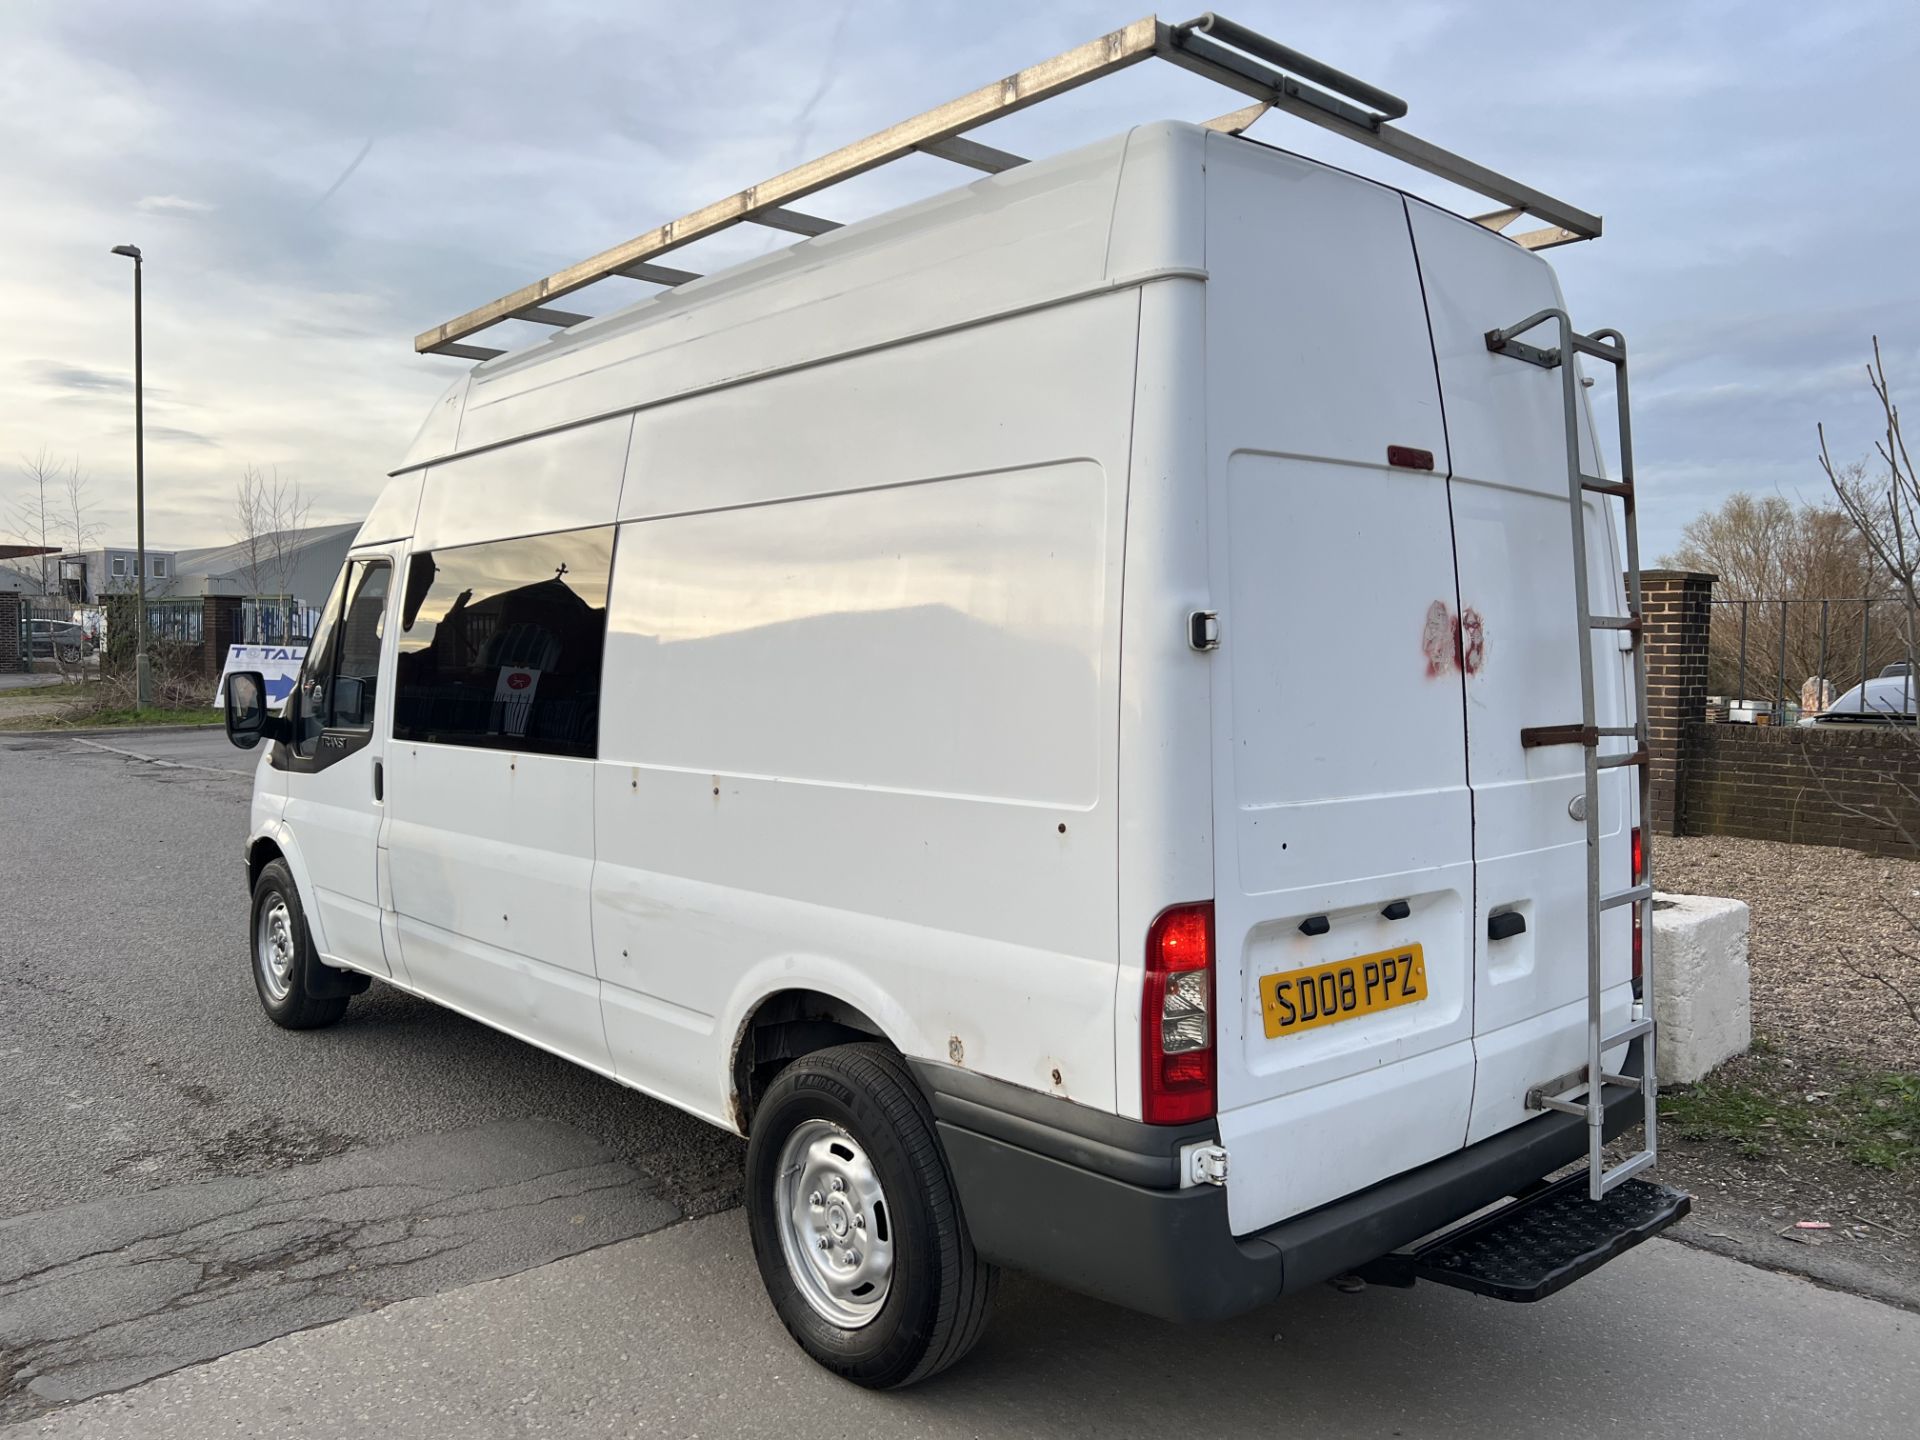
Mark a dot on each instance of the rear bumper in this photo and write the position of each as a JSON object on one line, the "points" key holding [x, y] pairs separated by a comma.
{"points": [[1091, 1202]]}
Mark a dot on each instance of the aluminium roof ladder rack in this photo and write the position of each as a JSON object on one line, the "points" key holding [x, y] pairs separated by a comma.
{"points": [[1273, 75]]}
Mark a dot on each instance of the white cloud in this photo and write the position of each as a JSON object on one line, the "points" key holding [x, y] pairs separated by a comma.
{"points": [[155, 204], [1752, 243]]}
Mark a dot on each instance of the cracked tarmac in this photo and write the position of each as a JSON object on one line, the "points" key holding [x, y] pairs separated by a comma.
{"points": [[95, 1298]]}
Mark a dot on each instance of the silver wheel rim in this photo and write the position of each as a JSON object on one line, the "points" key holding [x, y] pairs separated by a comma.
{"points": [[273, 949], [835, 1228]]}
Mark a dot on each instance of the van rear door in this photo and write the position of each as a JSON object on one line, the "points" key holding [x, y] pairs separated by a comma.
{"points": [[1342, 821], [1512, 537]]}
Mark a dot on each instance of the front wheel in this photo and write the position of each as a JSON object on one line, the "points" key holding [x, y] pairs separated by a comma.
{"points": [[855, 1224], [284, 957]]}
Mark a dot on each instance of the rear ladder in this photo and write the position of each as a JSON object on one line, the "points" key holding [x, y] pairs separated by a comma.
{"points": [[1588, 1101]]}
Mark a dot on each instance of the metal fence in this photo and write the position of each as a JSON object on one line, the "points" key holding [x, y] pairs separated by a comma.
{"points": [[175, 622], [1774, 661], [59, 631], [276, 620]]}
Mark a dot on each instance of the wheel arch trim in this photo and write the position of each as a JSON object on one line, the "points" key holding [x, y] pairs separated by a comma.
{"points": [[276, 834]]}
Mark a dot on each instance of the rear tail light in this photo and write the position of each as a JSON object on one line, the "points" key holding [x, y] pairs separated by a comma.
{"points": [[1176, 1018], [1639, 878]]}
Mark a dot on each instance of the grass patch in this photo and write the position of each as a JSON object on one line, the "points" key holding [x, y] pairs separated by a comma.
{"points": [[65, 690], [1871, 1120], [110, 719]]}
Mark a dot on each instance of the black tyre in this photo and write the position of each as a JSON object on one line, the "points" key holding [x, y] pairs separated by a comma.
{"points": [[855, 1224], [283, 955]]}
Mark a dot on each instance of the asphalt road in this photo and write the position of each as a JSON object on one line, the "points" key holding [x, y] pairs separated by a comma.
{"points": [[669, 1335], [135, 1063], [426, 1228]]}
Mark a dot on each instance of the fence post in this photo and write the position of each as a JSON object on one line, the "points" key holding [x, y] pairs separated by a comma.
{"points": [[1678, 608], [219, 628], [1780, 698]]}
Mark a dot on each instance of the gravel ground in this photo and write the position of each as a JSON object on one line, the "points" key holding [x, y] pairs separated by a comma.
{"points": [[1823, 920]]}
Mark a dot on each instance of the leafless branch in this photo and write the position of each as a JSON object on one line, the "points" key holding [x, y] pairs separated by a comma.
{"points": [[32, 515]]}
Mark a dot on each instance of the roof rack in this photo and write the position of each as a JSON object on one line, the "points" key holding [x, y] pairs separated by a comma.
{"points": [[1274, 75]]}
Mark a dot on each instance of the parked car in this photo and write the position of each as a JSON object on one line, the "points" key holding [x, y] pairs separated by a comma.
{"points": [[875, 699], [1886, 699], [61, 640]]}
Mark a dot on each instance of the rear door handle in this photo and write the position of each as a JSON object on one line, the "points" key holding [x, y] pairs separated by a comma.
{"points": [[379, 781], [1506, 925]]}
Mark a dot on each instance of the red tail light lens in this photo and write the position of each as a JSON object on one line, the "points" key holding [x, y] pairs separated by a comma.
{"points": [[1176, 1018], [1639, 877]]}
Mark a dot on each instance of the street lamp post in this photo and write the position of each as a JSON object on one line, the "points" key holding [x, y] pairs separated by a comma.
{"points": [[142, 683]]}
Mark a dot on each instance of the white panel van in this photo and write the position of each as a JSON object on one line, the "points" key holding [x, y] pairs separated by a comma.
{"points": [[1014, 707]]}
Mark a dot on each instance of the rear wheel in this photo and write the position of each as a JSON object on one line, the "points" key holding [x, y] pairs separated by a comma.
{"points": [[284, 957], [855, 1224]]}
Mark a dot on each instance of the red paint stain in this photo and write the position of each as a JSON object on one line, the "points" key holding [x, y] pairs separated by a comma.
{"points": [[1453, 642], [1436, 639], [1470, 640]]}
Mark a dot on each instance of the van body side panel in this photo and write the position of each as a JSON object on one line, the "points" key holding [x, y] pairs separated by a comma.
{"points": [[490, 850], [1166, 736], [1340, 783], [1003, 243], [569, 480], [393, 512], [490, 854], [858, 729], [1513, 535]]}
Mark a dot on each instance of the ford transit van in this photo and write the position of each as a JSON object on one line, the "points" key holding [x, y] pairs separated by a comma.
{"points": [[1078, 716]]}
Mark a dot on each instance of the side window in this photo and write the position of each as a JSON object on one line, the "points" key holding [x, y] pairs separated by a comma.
{"points": [[500, 644], [338, 681], [357, 673]]}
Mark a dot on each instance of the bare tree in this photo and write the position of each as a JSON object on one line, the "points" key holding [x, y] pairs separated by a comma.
{"points": [[1883, 501], [251, 527], [269, 514], [290, 510], [77, 510], [1766, 550], [1884, 504], [33, 514]]}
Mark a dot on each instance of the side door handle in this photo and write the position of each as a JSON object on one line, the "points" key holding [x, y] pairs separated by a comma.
{"points": [[379, 781]]}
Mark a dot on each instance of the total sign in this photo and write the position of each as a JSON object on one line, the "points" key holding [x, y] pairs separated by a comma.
{"points": [[280, 664]]}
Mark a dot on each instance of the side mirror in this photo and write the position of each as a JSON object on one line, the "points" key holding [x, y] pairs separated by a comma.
{"points": [[246, 708]]}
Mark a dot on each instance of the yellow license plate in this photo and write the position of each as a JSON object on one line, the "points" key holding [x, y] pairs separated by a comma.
{"points": [[1325, 994]]}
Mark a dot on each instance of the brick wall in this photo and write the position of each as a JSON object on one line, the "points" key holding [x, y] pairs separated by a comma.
{"points": [[13, 620], [219, 628], [1678, 609], [1851, 785]]}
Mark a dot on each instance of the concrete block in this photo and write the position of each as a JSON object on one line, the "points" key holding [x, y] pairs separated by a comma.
{"points": [[1702, 988]]}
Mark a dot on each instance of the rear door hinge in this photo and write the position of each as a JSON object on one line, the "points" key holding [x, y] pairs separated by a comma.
{"points": [[1203, 1164], [1203, 630]]}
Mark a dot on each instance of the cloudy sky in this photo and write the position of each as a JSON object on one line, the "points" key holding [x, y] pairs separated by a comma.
{"points": [[315, 183]]}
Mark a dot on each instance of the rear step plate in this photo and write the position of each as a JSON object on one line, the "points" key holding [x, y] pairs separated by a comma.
{"points": [[1543, 1243]]}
